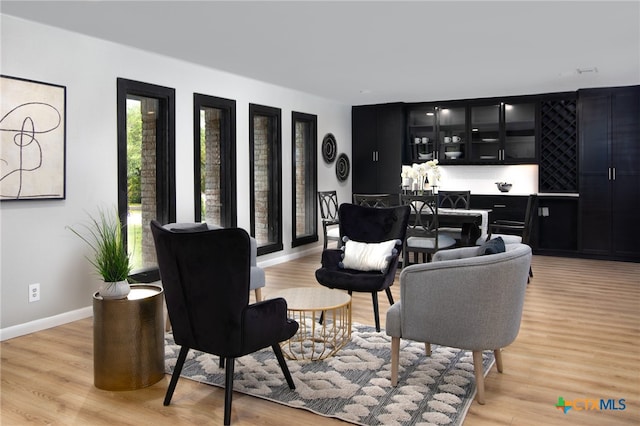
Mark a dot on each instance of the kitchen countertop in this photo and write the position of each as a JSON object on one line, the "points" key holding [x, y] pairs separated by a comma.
{"points": [[540, 194]]}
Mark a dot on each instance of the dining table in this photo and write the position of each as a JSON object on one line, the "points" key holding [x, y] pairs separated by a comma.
{"points": [[473, 222]]}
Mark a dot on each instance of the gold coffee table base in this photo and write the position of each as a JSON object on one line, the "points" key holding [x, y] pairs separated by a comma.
{"points": [[315, 341]]}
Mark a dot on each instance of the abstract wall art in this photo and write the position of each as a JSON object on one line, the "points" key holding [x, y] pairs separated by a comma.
{"points": [[32, 139]]}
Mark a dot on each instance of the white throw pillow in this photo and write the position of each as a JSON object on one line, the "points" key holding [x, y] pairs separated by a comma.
{"points": [[368, 256]]}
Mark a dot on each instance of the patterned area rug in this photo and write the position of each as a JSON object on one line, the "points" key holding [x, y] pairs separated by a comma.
{"points": [[354, 385]]}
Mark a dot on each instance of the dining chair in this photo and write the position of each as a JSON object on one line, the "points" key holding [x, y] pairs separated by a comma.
{"points": [[329, 214], [454, 200], [205, 275], [512, 231], [423, 236], [375, 200]]}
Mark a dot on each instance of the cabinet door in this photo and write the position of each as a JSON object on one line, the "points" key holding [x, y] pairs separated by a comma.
{"points": [[363, 151], [485, 133], [452, 135], [519, 133], [378, 134], [595, 193], [625, 160], [421, 122], [390, 128]]}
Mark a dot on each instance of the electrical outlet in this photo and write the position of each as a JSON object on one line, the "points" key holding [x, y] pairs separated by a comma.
{"points": [[34, 292]]}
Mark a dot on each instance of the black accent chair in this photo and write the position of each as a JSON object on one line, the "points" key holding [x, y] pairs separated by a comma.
{"points": [[205, 275], [366, 225]]}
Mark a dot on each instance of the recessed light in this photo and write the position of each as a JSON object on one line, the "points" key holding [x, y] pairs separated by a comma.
{"points": [[587, 70]]}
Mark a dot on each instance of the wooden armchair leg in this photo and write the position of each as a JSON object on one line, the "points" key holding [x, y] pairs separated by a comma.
{"points": [[477, 368], [395, 359], [497, 354], [427, 348]]}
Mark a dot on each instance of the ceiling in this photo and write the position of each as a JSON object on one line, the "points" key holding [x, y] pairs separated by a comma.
{"points": [[363, 52]]}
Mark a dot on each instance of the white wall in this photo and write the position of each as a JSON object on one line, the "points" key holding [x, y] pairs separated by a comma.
{"points": [[481, 180], [35, 246]]}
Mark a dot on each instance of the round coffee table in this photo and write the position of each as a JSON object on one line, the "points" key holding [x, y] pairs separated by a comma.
{"points": [[315, 340]]}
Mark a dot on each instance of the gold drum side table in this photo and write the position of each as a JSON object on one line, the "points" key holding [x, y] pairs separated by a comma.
{"points": [[313, 340], [128, 339]]}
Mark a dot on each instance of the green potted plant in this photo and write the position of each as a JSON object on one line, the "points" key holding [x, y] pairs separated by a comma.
{"points": [[110, 258]]}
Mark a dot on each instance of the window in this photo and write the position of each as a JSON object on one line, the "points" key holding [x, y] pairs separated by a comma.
{"points": [[304, 182], [146, 164], [214, 124], [265, 144]]}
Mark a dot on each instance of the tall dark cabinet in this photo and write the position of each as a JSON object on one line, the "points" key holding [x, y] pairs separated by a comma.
{"points": [[609, 180], [378, 137]]}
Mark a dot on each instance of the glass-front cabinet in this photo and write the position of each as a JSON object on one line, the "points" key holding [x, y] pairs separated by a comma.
{"points": [[471, 132], [485, 133], [422, 133], [452, 134], [519, 132]]}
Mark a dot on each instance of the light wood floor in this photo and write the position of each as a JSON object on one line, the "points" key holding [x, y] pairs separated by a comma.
{"points": [[580, 338]]}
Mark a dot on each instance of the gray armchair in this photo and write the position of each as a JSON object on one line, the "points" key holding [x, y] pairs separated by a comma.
{"points": [[257, 279], [461, 300]]}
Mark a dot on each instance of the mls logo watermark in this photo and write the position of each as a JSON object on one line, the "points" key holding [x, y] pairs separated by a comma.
{"points": [[588, 404]]}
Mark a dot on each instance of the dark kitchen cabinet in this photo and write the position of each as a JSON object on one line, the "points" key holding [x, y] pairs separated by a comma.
{"points": [[556, 225], [479, 131], [503, 207], [378, 136], [609, 175]]}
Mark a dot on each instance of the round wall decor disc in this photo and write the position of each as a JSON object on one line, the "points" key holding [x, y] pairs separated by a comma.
{"points": [[329, 148], [342, 167]]}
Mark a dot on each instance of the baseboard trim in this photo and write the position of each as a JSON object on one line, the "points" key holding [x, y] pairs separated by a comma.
{"points": [[45, 323], [67, 317], [289, 257]]}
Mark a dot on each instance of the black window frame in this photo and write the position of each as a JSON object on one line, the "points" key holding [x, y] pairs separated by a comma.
{"points": [[228, 151], [274, 173], [165, 154], [311, 178]]}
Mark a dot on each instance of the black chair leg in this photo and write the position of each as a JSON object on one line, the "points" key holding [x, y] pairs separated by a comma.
{"points": [[283, 365], [228, 390], [376, 313], [221, 362], [182, 356], [389, 295]]}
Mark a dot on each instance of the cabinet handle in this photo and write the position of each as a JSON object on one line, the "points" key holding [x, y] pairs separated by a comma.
{"points": [[613, 173], [499, 205]]}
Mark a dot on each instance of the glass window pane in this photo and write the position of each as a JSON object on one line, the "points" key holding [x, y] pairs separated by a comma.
{"points": [[210, 165], [303, 225], [262, 185], [142, 207]]}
